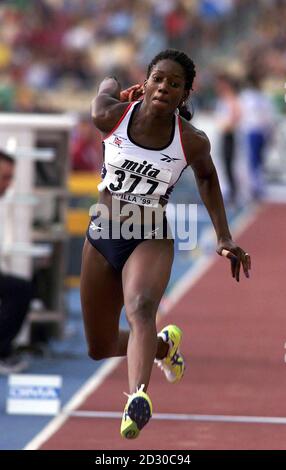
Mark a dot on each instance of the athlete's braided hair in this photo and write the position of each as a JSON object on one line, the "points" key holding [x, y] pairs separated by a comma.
{"points": [[189, 69]]}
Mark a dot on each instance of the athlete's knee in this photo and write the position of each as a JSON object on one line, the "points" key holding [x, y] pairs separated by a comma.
{"points": [[97, 352], [142, 308]]}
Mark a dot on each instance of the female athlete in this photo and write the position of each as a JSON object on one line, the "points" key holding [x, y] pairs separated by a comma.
{"points": [[147, 145]]}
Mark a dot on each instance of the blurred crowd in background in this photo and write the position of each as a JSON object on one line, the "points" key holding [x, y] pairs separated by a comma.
{"points": [[53, 54], [63, 46]]}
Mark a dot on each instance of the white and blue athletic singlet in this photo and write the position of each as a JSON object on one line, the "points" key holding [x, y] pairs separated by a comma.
{"points": [[139, 174]]}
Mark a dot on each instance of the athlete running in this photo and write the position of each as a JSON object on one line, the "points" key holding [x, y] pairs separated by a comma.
{"points": [[147, 145]]}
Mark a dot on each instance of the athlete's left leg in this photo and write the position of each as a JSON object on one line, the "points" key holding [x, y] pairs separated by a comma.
{"points": [[144, 279]]}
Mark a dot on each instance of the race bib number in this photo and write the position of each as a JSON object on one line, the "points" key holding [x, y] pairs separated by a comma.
{"points": [[140, 182]]}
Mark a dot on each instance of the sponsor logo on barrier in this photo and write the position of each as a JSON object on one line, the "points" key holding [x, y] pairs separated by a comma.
{"points": [[34, 394]]}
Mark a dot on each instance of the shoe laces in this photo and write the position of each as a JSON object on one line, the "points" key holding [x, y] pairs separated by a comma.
{"points": [[139, 389], [159, 364]]}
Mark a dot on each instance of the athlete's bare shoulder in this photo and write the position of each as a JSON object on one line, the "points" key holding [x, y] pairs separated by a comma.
{"points": [[196, 143]]}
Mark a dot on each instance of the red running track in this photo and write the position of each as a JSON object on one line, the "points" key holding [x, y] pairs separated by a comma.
{"points": [[234, 336]]}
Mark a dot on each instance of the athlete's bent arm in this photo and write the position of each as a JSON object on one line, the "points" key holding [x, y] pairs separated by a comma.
{"points": [[110, 103], [210, 192], [106, 107]]}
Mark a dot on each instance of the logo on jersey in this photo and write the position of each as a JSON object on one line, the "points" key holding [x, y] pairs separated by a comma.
{"points": [[168, 159], [152, 233], [117, 141], [93, 226], [143, 168]]}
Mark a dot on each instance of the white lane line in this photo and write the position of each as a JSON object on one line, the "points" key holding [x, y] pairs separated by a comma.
{"points": [[79, 397], [184, 417], [180, 288]]}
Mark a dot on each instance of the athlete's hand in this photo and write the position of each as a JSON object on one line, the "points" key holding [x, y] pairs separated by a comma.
{"points": [[133, 93], [237, 256]]}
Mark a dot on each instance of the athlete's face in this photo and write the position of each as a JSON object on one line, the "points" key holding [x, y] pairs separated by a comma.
{"points": [[165, 87], [6, 175]]}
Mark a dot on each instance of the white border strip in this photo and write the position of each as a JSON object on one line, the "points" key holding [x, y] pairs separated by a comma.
{"points": [[180, 288]]}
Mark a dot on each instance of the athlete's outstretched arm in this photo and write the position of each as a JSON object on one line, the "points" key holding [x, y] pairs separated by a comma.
{"points": [[209, 188]]}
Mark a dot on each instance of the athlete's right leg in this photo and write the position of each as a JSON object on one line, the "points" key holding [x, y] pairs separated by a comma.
{"points": [[102, 301]]}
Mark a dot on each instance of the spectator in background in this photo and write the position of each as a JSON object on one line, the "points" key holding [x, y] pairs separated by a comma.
{"points": [[228, 116], [15, 293], [177, 25], [86, 149], [257, 121], [58, 46]]}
